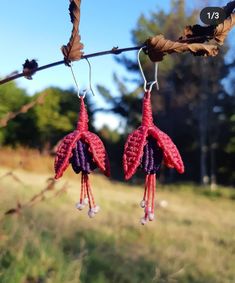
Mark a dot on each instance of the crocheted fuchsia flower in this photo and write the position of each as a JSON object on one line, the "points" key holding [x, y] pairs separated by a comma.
{"points": [[85, 152], [146, 147]]}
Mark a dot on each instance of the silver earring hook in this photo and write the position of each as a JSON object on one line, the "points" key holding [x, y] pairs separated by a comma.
{"points": [[90, 78], [156, 75], [85, 91], [75, 81], [146, 83]]}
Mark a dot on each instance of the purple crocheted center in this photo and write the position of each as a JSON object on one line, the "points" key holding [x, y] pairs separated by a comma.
{"points": [[82, 159], [152, 157]]}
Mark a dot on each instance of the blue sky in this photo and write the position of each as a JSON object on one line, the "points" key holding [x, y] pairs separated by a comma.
{"points": [[37, 30]]}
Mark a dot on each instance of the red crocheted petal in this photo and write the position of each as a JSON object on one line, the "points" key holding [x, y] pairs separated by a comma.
{"points": [[64, 152], [171, 154], [133, 151], [97, 149]]}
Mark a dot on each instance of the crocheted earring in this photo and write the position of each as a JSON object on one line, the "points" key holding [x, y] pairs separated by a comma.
{"points": [[85, 152], [146, 148]]}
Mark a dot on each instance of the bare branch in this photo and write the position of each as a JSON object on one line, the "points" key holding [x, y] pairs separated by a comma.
{"points": [[24, 109], [114, 51], [192, 41], [39, 197]]}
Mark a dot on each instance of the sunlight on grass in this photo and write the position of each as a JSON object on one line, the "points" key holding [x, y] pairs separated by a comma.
{"points": [[192, 240]]}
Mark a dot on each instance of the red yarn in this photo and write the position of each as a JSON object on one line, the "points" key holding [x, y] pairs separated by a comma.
{"points": [[64, 152], [171, 155], [149, 195], [86, 191], [96, 147], [134, 150], [136, 141], [83, 120], [96, 151], [147, 117]]}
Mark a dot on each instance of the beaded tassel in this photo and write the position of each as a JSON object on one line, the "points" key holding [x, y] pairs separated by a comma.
{"points": [[85, 152], [146, 147]]}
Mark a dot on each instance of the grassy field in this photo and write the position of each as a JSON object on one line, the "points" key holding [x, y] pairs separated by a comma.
{"points": [[192, 240]]}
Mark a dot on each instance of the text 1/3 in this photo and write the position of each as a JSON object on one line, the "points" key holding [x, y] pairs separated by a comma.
{"points": [[212, 15]]}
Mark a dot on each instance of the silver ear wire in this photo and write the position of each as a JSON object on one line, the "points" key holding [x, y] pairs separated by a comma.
{"points": [[151, 83], [85, 91], [156, 75], [90, 77], [75, 81], [141, 69]]}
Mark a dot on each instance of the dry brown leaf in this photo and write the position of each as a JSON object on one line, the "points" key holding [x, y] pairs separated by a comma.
{"points": [[223, 29], [73, 50], [201, 34], [29, 68], [158, 47], [197, 34], [229, 8]]}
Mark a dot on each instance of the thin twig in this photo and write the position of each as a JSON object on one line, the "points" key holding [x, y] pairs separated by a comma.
{"points": [[114, 51], [39, 197], [13, 176], [74, 9]]}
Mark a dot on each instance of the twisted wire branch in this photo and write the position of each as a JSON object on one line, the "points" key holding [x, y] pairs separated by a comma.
{"points": [[114, 51], [156, 47]]}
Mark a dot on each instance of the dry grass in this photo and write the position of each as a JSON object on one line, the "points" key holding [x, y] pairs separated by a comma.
{"points": [[193, 239], [25, 159]]}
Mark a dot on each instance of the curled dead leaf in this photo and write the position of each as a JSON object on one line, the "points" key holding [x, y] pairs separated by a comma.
{"points": [[201, 34], [73, 50], [223, 29], [157, 47], [29, 68], [229, 8], [197, 34]]}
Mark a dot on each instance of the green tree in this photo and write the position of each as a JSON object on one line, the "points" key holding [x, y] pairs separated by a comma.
{"points": [[12, 98]]}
